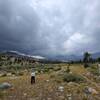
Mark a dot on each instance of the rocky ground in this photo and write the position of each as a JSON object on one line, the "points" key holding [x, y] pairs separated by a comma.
{"points": [[49, 86]]}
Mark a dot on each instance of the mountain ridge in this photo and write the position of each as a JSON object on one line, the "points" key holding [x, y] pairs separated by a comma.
{"points": [[19, 54], [52, 58]]}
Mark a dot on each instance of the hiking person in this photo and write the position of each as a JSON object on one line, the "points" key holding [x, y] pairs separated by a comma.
{"points": [[33, 77]]}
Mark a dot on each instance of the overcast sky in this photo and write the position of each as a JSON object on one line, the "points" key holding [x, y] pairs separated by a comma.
{"points": [[50, 27]]}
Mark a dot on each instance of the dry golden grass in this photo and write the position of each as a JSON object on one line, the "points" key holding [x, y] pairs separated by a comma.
{"points": [[46, 88]]}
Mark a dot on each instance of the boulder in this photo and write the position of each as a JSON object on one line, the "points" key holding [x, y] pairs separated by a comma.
{"points": [[90, 90], [5, 85]]}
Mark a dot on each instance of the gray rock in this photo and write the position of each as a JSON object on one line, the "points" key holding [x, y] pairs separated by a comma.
{"points": [[5, 86], [90, 90], [61, 88], [9, 74], [47, 80]]}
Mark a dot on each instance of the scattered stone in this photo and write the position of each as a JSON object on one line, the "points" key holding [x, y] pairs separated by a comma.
{"points": [[36, 72], [88, 74], [9, 74], [70, 72], [47, 80], [89, 90], [61, 88], [5, 86], [72, 84], [41, 72], [69, 96], [1, 75], [25, 94], [13, 75]]}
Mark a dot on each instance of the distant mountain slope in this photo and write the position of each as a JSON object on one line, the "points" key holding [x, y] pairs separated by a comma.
{"points": [[73, 57], [51, 58], [18, 54], [96, 55], [66, 57]]}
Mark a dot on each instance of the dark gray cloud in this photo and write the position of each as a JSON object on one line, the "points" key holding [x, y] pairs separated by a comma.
{"points": [[50, 27], [18, 25]]}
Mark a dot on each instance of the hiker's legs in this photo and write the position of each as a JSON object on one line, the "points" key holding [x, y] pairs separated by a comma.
{"points": [[32, 79]]}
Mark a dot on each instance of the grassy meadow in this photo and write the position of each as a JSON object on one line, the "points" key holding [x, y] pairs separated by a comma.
{"points": [[53, 82]]}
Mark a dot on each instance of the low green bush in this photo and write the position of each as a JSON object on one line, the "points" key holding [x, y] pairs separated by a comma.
{"points": [[86, 65], [72, 78], [94, 70], [13, 73], [20, 73], [45, 70], [57, 68], [39, 70]]}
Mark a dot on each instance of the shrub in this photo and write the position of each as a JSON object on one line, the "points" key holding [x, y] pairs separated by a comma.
{"points": [[94, 70], [39, 70], [20, 73], [86, 65], [45, 70], [72, 78], [13, 73], [68, 69], [57, 68]]}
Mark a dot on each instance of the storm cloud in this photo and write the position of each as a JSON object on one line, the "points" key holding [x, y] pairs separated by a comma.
{"points": [[50, 27]]}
